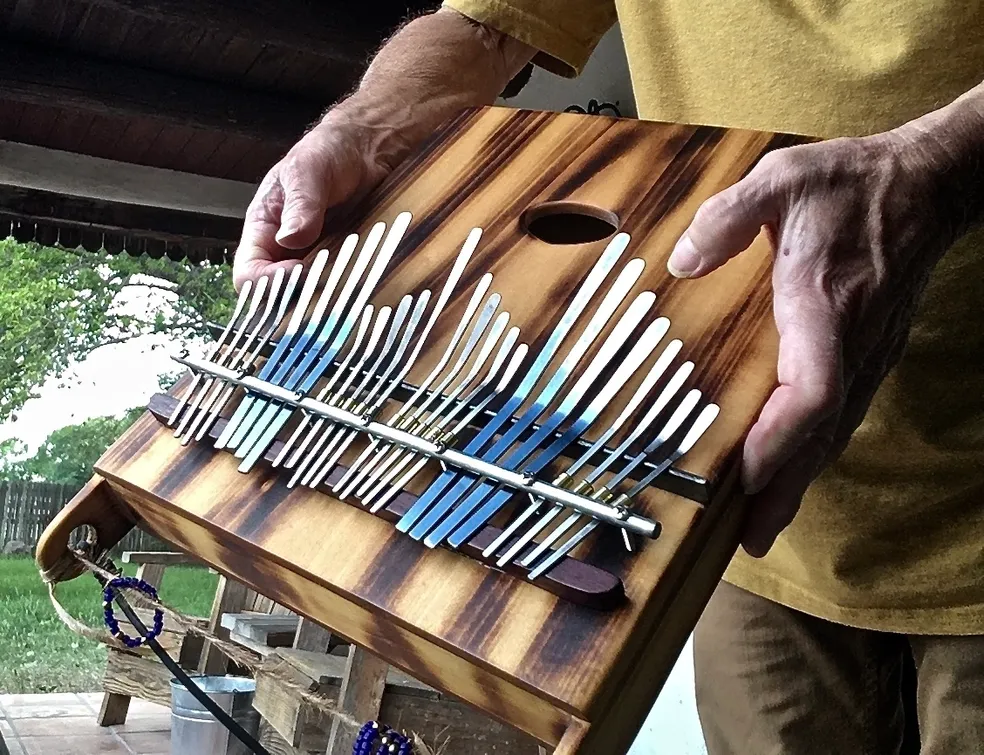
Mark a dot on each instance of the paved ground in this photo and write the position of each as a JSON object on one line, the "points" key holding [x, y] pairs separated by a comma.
{"points": [[65, 724]]}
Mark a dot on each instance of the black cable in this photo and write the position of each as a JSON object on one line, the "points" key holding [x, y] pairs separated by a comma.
{"points": [[210, 705]]}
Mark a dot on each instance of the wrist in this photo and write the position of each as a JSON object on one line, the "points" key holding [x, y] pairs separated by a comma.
{"points": [[376, 131], [946, 148]]}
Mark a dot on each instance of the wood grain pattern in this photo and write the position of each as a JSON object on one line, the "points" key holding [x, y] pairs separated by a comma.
{"points": [[573, 677]]}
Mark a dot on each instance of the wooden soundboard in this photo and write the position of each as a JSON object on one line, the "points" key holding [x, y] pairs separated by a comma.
{"points": [[577, 678]]}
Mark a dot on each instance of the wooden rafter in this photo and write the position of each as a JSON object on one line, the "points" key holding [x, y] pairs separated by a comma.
{"points": [[38, 75]]}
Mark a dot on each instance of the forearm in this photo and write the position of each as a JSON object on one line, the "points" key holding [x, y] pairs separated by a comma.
{"points": [[436, 66]]}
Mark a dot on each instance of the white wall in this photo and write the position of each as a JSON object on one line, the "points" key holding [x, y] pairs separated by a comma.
{"points": [[605, 78]]}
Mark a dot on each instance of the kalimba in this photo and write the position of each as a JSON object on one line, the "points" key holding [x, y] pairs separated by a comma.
{"points": [[492, 357]]}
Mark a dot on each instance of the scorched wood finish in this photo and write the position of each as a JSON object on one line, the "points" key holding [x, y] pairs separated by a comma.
{"points": [[580, 678]]}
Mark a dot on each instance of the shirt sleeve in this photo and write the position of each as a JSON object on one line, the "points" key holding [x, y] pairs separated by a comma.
{"points": [[565, 32]]}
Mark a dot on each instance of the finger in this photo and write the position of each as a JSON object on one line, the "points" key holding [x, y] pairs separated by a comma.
{"points": [[304, 205], [773, 509], [811, 385], [726, 224], [258, 246]]}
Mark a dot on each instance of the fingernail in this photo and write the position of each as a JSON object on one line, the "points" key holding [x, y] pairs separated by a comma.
{"points": [[289, 228], [684, 260]]}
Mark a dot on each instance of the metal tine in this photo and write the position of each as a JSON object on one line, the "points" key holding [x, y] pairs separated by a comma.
{"points": [[220, 399], [645, 388], [411, 420], [316, 336], [374, 339], [700, 426], [318, 471], [241, 360], [396, 324], [397, 419], [385, 387], [214, 349], [287, 345], [436, 418], [472, 513], [313, 334], [518, 356], [218, 404], [616, 294], [673, 424], [373, 372], [307, 377], [444, 418], [231, 353], [585, 486], [589, 286]]}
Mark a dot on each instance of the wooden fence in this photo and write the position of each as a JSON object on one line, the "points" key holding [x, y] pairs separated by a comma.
{"points": [[26, 508]]}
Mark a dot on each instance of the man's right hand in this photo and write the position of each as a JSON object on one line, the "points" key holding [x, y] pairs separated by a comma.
{"points": [[436, 66], [327, 168]]}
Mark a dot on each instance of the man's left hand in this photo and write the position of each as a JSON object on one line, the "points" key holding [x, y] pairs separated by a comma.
{"points": [[857, 226]]}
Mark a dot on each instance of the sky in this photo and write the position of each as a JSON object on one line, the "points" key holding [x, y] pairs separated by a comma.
{"points": [[111, 380]]}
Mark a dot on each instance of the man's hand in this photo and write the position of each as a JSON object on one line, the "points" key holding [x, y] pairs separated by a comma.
{"points": [[436, 66], [857, 226], [328, 168]]}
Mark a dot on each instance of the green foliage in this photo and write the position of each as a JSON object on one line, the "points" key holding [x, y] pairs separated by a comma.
{"points": [[57, 305], [40, 654], [67, 455]]}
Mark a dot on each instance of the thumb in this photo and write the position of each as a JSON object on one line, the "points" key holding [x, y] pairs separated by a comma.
{"points": [[725, 225], [305, 203]]}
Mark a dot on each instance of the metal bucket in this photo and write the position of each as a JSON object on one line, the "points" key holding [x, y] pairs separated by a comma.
{"points": [[195, 731]]}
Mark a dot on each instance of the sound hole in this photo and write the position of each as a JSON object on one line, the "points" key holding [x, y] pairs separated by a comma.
{"points": [[569, 223]]}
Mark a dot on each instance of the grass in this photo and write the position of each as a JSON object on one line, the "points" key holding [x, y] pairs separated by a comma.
{"points": [[38, 653]]}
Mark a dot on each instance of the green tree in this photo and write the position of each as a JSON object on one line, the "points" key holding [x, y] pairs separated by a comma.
{"points": [[68, 454], [57, 305]]}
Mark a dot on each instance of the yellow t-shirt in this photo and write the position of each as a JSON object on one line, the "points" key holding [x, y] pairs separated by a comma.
{"points": [[892, 536]]}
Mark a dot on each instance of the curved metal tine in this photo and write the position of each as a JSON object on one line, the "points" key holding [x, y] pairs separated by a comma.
{"points": [[472, 513], [305, 377], [228, 357], [673, 424], [649, 382], [319, 470], [700, 426], [589, 286], [664, 398], [393, 363], [219, 404], [426, 425], [395, 326], [372, 373], [213, 349], [514, 363], [375, 401], [367, 496], [238, 362], [411, 420], [315, 336], [286, 343], [441, 514], [377, 333]]}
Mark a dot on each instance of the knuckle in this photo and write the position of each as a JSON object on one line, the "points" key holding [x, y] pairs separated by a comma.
{"points": [[713, 208]]}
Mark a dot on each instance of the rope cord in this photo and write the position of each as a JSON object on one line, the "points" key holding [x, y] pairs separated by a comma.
{"points": [[235, 653]]}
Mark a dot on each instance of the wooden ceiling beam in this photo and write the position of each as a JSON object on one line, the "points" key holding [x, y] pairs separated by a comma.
{"points": [[31, 206], [343, 31], [39, 75], [59, 172]]}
